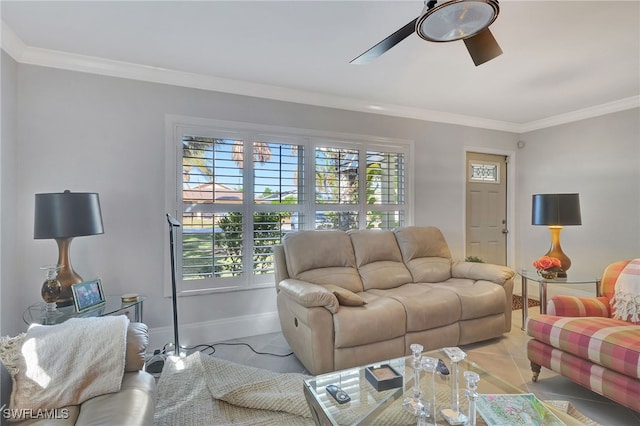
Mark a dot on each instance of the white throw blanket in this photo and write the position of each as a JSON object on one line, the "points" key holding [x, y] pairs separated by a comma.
{"points": [[626, 300], [68, 363]]}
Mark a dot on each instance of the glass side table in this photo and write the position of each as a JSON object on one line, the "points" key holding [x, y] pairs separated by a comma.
{"points": [[37, 313], [532, 275]]}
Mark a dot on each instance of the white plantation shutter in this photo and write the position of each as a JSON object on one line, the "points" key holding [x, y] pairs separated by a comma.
{"points": [[241, 191], [385, 189]]}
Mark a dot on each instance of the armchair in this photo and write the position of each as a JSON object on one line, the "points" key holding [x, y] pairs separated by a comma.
{"points": [[584, 340]]}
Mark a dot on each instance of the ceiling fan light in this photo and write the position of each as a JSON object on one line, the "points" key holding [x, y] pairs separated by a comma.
{"points": [[456, 19]]}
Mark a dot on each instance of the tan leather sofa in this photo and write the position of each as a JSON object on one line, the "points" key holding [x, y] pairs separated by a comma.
{"points": [[133, 405], [412, 290]]}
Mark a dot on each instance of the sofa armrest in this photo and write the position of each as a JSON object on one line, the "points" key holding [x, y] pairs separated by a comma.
{"points": [[137, 341], [309, 295], [133, 405], [571, 306], [482, 271]]}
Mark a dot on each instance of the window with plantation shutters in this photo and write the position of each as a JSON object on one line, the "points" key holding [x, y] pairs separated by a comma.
{"points": [[385, 189], [377, 189], [241, 189]]}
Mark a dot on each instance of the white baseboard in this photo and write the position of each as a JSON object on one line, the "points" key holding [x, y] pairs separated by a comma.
{"points": [[215, 331]]}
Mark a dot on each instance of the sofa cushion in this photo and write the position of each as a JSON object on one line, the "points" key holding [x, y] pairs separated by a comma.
{"points": [[322, 257], [425, 252], [378, 259], [381, 319], [345, 297], [478, 299], [426, 306], [613, 344]]}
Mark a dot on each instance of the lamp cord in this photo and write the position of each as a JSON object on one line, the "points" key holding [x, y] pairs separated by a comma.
{"points": [[204, 347]]}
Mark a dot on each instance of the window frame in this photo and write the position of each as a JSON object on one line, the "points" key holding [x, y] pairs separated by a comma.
{"points": [[179, 126]]}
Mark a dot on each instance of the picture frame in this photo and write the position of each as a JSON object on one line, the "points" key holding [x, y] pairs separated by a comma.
{"points": [[88, 295]]}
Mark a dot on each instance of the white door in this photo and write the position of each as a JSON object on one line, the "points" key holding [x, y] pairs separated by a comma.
{"points": [[486, 215]]}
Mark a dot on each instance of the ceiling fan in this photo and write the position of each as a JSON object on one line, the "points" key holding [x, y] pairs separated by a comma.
{"points": [[451, 20]]}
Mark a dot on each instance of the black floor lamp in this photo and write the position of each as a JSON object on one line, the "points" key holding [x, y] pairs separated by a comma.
{"points": [[173, 224], [156, 366]]}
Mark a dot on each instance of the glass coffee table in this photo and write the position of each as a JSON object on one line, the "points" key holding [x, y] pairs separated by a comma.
{"points": [[369, 406]]}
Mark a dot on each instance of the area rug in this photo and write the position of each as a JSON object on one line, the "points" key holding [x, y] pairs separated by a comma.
{"points": [[517, 302], [566, 407], [202, 390]]}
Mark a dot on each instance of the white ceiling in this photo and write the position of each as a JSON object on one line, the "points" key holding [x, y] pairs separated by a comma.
{"points": [[562, 60]]}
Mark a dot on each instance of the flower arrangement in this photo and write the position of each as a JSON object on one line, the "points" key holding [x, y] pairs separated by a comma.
{"points": [[547, 263], [548, 267]]}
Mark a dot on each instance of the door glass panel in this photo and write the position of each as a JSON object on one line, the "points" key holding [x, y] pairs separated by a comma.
{"points": [[484, 172]]}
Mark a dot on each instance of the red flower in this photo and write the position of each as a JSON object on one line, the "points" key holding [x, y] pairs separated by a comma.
{"points": [[545, 263]]}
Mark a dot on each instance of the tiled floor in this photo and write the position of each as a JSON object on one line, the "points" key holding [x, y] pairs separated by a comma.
{"points": [[505, 357]]}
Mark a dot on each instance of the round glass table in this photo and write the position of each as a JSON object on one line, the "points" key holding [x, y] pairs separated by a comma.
{"points": [[532, 275], [37, 313]]}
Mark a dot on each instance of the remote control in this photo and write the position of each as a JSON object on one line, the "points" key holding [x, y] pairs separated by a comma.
{"points": [[442, 368], [338, 394]]}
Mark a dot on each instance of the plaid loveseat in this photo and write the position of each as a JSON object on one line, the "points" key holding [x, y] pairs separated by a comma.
{"points": [[579, 339]]}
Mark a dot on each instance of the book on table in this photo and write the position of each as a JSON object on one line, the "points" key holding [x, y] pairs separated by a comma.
{"points": [[515, 410]]}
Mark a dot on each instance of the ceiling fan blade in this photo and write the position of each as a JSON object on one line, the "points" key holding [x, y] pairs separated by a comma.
{"points": [[386, 44], [482, 47]]}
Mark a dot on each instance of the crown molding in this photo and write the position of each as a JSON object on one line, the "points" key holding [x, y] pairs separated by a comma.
{"points": [[22, 53], [11, 43], [598, 110], [95, 65]]}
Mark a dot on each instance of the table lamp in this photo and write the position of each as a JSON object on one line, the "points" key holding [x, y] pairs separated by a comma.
{"points": [[556, 211], [63, 216]]}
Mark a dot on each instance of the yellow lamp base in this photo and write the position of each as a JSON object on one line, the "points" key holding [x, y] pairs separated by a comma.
{"points": [[556, 251]]}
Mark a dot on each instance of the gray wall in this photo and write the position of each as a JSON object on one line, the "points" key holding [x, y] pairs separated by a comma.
{"points": [[600, 159], [93, 133], [9, 282]]}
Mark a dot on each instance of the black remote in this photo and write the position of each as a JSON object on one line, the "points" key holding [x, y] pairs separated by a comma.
{"points": [[442, 368], [338, 394]]}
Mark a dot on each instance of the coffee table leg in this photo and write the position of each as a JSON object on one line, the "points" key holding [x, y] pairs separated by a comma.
{"points": [[319, 417]]}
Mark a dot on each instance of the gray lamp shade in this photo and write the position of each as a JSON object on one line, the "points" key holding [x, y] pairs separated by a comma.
{"points": [[556, 209], [66, 215]]}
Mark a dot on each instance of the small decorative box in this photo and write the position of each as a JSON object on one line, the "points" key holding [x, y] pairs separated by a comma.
{"points": [[129, 297], [383, 377]]}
